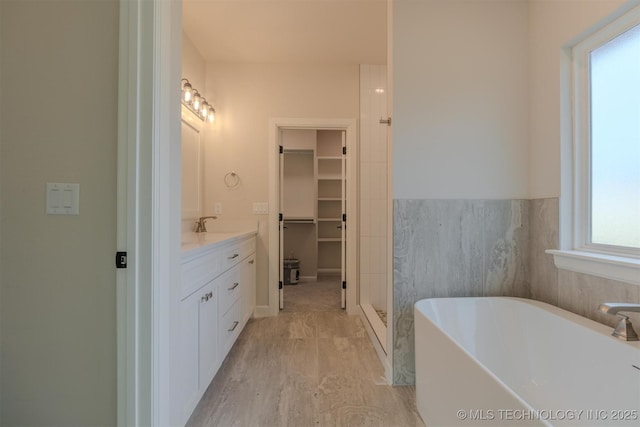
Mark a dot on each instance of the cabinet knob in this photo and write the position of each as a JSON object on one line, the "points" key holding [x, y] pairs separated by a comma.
{"points": [[235, 285], [251, 262], [233, 257]]}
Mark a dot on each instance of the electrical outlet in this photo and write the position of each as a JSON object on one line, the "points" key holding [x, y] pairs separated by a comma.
{"points": [[217, 208], [261, 208]]}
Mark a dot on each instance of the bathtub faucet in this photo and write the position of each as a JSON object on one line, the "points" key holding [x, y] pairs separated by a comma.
{"points": [[624, 329], [201, 226]]}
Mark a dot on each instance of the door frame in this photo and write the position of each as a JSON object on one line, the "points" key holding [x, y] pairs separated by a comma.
{"points": [[148, 206], [350, 127]]}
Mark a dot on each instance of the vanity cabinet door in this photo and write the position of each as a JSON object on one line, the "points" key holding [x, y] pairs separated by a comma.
{"points": [[248, 280], [208, 334], [187, 390]]}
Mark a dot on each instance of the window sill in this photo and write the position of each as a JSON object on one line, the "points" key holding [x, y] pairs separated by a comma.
{"points": [[611, 267]]}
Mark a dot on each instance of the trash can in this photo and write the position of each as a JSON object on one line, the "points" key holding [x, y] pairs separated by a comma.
{"points": [[291, 271]]}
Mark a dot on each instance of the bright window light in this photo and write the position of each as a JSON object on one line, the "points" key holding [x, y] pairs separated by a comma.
{"points": [[615, 141]]}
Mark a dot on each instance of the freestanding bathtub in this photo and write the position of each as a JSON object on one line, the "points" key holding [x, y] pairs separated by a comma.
{"points": [[512, 361]]}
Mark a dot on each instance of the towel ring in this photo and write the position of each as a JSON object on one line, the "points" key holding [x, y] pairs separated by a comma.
{"points": [[232, 179]]}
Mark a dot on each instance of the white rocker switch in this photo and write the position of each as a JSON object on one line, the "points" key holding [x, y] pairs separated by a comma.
{"points": [[63, 199]]}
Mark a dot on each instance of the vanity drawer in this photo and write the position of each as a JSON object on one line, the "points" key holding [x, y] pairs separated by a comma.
{"points": [[196, 273], [229, 289], [230, 326], [230, 256]]}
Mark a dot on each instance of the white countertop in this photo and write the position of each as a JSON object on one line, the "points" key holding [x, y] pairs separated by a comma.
{"points": [[194, 243], [220, 232]]}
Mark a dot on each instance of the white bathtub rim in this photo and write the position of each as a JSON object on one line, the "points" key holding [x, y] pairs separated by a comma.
{"points": [[580, 321], [482, 366], [584, 322]]}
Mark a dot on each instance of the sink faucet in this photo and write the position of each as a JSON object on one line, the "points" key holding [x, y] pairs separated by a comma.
{"points": [[624, 329], [201, 223]]}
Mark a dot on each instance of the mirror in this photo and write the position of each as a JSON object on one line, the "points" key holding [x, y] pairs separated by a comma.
{"points": [[192, 136]]}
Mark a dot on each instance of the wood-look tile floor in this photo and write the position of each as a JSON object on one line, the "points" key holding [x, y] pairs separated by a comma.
{"points": [[312, 365]]}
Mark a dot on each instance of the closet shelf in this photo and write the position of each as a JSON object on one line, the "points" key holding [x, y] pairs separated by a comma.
{"points": [[329, 157], [300, 220], [329, 178], [329, 199], [329, 239], [329, 219]]}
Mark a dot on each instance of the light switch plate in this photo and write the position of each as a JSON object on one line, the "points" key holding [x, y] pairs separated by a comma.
{"points": [[261, 208], [63, 199], [217, 208]]}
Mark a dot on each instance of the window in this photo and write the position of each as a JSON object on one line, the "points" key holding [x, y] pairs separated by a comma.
{"points": [[614, 146], [600, 207]]}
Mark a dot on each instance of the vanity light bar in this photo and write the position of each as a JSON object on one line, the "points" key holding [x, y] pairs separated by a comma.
{"points": [[196, 102]]}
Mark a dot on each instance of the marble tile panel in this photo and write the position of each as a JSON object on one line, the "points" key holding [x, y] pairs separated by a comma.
{"points": [[506, 248], [543, 232], [583, 293], [438, 252]]}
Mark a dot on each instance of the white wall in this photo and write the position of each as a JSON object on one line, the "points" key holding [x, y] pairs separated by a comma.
{"points": [[552, 24], [59, 69], [193, 64], [460, 71], [246, 96]]}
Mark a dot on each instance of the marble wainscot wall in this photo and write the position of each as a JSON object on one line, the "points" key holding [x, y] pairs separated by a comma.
{"points": [[454, 248], [576, 292]]}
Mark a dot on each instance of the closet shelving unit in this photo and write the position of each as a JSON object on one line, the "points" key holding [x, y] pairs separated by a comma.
{"points": [[330, 194], [313, 189]]}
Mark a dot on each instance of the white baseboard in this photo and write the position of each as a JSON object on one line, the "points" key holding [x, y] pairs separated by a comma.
{"points": [[261, 311]]}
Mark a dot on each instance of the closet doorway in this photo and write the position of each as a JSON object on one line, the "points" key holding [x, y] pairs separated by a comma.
{"points": [[315, 250]]}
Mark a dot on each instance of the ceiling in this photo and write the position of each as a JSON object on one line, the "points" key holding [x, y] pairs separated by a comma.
{"points": [[288, 31]]}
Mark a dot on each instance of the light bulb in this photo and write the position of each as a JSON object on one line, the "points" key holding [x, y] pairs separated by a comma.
{"points": [[211, 114], [197, 100], [187, 91], [204, 109]]}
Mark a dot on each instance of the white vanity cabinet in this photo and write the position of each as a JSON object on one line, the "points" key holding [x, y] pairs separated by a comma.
{"points": [[217, 298], [248, 275]]}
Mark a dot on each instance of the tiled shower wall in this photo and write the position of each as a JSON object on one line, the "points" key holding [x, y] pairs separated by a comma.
{"points": [[373, 186], [452, 248]]}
